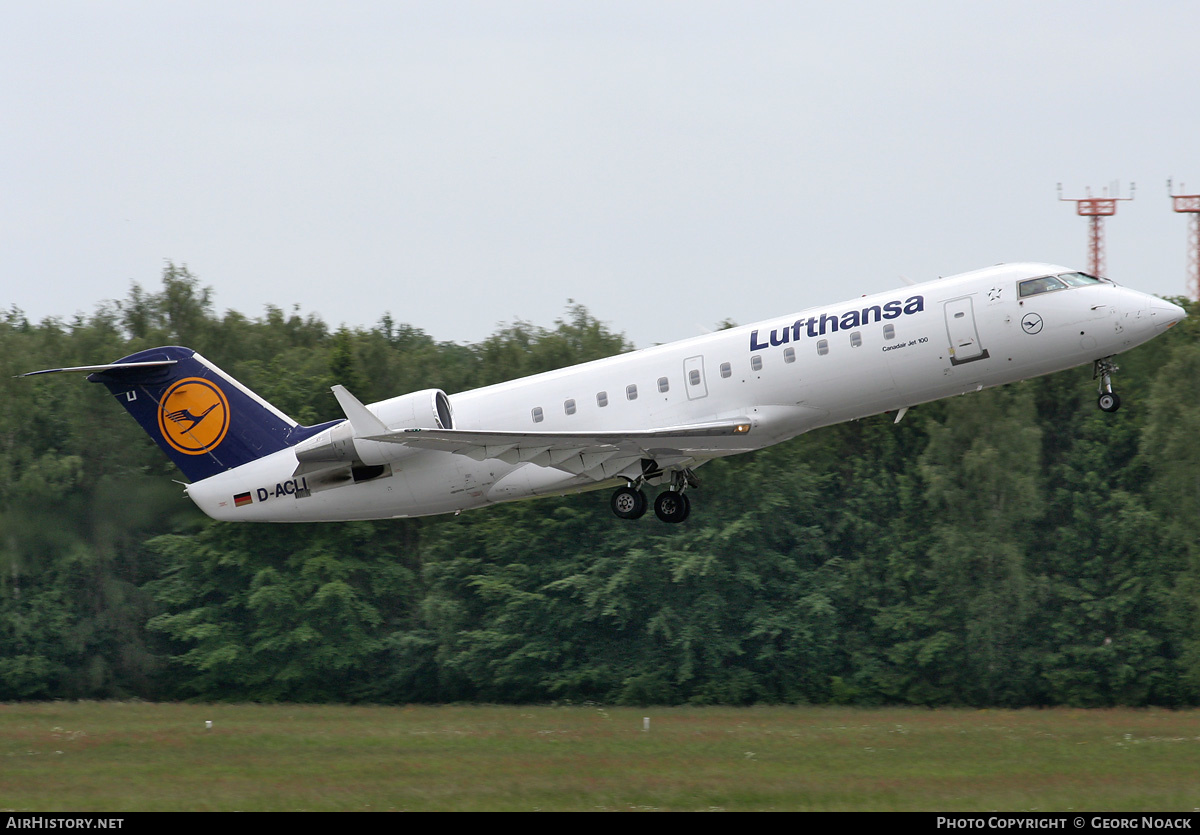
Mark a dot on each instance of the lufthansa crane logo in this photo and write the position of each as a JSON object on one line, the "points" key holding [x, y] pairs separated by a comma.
{"points": [[1032, 323], [193, 416]]}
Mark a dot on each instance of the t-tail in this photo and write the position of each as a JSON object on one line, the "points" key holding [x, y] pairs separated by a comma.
{"points": [[203, 419]]}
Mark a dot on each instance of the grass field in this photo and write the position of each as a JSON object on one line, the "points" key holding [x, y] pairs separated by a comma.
{"points": [[124, 757]]}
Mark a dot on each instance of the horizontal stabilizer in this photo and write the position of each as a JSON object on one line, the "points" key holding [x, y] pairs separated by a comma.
{"points": [[113, 366]]}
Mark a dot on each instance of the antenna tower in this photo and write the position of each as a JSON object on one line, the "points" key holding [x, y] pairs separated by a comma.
{"points": [[1095, 209], [1190, 204]]}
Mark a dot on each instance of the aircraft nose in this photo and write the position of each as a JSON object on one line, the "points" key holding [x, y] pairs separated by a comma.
{"points": [[1165, 314]]}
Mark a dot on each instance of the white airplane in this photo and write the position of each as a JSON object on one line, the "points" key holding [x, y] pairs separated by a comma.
{"points": [[648, 417]]}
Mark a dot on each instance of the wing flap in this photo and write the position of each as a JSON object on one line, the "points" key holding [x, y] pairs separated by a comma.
{"points": [[598, 455]]}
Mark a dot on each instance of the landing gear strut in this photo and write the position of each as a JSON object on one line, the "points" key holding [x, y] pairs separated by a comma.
{"points": [[1108, 401]]}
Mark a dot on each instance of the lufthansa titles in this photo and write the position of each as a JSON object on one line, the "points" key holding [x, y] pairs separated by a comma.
{"points": [[815, 326]]}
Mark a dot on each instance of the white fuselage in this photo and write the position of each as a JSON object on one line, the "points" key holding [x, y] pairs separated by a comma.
{"points": [[787, 375]]}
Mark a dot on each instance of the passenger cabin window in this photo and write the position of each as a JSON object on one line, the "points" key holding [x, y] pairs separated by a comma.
{"points": [[694, 377], [822, 347], [1045, 284], [663, 385], [856, 340], [631, 392], [889, 331], [538, 416], [602, 399], [789, 354], [756, 362], [726, 369], [569, 407]]}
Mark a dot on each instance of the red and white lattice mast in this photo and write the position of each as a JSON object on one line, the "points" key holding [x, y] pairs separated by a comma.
{"points": [[1096, 209], [1190, 204]]}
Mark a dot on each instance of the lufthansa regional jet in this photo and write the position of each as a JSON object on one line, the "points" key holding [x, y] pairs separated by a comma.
{"points": [[645, 418]]}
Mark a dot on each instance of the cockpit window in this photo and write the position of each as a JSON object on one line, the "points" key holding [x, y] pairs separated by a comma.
{"points": [[1079, 279], [1045, 284]]}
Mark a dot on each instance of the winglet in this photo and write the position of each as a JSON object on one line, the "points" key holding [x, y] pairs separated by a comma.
{"points": [[362, 420]]}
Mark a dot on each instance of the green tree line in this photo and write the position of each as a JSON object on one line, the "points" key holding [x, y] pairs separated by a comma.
{"points": [[1011, 547]]}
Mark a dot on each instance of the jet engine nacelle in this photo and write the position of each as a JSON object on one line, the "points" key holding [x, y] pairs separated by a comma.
{"points": [[427, 409]]}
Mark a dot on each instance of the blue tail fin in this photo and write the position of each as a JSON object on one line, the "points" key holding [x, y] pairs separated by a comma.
{"points": [[202, 418]]}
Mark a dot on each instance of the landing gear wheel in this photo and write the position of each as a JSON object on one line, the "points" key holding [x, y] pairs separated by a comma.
{"points": [[672, 507], [1108, 400], [628, 503]]}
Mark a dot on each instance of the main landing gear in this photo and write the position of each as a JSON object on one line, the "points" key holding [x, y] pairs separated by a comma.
{"points": [[1109, 400], [671, 505], [628, 502]]}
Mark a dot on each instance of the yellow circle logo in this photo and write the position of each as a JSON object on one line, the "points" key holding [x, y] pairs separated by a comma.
{"points": [[193, 416]]}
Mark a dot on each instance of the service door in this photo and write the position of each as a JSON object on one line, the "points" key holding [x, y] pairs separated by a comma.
{"points": [[693, 378], [964, 336]]}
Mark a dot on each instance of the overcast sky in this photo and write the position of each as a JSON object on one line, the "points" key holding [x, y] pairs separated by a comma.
{"points": [[667, 164]]}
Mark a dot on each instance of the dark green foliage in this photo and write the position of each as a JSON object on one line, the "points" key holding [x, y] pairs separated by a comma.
{"points": [[301, 615], [1013, 547]]}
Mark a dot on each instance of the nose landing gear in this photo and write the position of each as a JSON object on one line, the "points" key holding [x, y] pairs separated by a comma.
{"points": [[1109, 401]]}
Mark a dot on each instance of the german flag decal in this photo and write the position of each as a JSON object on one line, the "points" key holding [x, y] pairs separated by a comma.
{"points": [[241, 499]]}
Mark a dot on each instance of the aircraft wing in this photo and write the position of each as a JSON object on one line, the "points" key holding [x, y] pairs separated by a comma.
{"points": [[599, 455]]}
